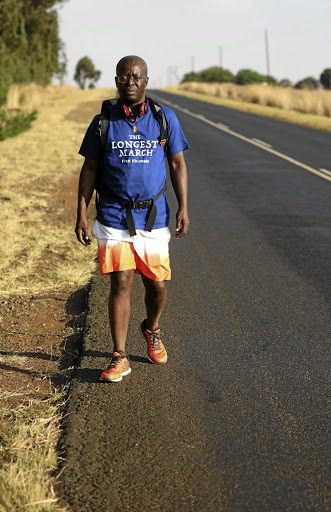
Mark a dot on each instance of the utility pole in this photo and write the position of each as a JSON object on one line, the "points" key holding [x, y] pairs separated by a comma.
{"points": [[220, 56], [169, 75], [192, 64], [175, 72], [172, 75], [267, 51]]}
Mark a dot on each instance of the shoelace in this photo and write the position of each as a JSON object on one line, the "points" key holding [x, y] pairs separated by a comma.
{"points": [[155, 339], [114, 362]]}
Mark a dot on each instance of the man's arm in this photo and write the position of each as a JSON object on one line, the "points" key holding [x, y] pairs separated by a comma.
{"points": [[178, 175], [87, 181]]}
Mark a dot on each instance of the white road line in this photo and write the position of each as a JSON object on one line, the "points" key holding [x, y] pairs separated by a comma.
{"points": [[262, 142], [262, 146], [326, 171], [221, 125]]}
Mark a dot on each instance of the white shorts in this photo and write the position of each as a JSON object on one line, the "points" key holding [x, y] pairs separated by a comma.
{"points": [[146, 253]]}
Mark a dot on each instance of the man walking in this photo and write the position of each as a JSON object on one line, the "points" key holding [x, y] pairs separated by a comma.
{"points": [[128, 171]]}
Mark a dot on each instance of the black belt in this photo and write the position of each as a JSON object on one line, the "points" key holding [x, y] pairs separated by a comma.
{"points": [[140, 205]]}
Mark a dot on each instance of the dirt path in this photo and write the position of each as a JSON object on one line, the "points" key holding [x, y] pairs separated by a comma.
{"points": [[41, 333]]}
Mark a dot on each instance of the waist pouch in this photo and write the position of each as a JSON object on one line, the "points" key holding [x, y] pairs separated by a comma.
{"points": [[139, 205]]}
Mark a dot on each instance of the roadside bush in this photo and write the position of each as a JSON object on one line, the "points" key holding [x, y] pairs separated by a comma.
{"points": [[216, 74], [310, 83], [285, 82], [10, 126], [325, 78], [213, 74], [191, 77], [248, 76], [271, 80]]}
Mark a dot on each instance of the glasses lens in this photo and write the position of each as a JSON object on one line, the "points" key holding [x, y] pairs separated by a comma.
{"points": [[125, 78]]}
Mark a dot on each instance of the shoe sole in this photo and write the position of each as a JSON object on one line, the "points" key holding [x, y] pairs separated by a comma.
{"points": [[149, 359], [156, 362], [123, 374]]}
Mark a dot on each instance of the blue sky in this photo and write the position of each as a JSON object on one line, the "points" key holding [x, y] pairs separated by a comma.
{"points": [[176, 35]]}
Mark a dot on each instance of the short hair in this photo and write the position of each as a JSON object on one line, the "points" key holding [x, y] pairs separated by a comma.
{"points": [[131, 57]]}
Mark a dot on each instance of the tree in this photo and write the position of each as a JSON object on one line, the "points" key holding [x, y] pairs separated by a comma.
{"points": [[310, 83], [285, 82], [190, 77], [216, 74], [325, 78], [212, 74], [29, 42], [248, 76], [85, 71], [63, 63], [270, 80]]}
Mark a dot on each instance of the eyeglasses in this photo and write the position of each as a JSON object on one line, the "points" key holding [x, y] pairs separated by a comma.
{"points": [[122, 79]]}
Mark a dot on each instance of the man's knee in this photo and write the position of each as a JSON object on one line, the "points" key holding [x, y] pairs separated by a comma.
{"points": [[157, 288], [121, 282]]}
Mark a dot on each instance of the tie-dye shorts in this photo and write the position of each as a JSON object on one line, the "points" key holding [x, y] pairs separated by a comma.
{"points": [[146, 253]]}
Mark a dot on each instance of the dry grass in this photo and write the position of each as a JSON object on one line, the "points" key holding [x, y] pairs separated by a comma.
{"points": [[28, 456], [13, 360], [309, 108], [25, 98], [38, 253], [31, 168]]}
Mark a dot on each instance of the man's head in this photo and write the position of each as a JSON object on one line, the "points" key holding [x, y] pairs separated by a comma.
{"points": [[131, 90]]}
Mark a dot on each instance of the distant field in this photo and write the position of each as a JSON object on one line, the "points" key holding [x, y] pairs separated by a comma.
{"points": [[308, 108]]}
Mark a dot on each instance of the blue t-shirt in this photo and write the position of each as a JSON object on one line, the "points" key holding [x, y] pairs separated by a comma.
{"points": [[134, 165]]}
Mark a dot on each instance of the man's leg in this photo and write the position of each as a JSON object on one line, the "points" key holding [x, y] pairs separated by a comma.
{"points": [[155, 298], [119, 315], [119, 307]]}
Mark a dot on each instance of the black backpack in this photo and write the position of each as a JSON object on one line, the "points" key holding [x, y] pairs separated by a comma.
{"points": [[102, 129]]}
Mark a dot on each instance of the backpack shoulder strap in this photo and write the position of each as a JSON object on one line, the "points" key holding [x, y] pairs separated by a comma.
{"points": [[104, 120], [161, 119]]}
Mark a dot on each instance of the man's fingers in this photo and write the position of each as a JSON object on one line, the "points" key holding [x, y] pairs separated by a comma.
{"points": [[82, 236], [178, 228], [181, 227]]}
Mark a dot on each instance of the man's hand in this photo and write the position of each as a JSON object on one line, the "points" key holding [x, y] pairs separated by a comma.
{"points": [[82, 231], [87, 181], [178, 175], [182, 223]]}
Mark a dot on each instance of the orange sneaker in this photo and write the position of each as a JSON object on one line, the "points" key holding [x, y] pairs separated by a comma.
{"points": [[156, 351], [117, 368]]}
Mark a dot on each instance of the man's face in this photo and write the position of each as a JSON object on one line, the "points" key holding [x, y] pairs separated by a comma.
{"points": [[132, 92]]}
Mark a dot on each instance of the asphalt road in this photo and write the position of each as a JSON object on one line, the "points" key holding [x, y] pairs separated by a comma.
{"points": [[237, 419]]}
